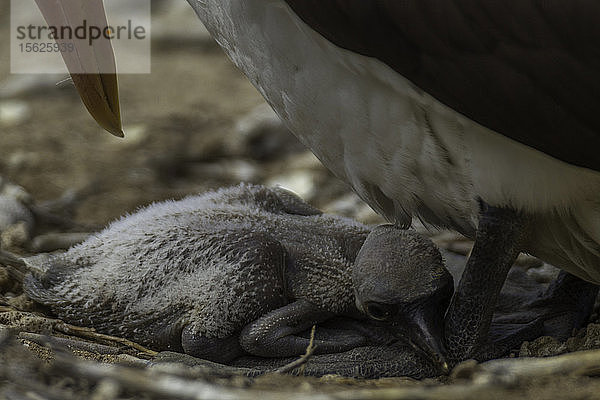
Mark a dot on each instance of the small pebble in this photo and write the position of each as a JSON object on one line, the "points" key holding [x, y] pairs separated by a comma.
{"points": [[445, 238], [14, 112], [586, 339], [135, 134], [15, 191], [544, 346], [366, 215], [345, 205], [300, 182], [128, 359], [22, 159], [13, 211], [106, 389], [350, 205], [464, 370], [15, 236]]}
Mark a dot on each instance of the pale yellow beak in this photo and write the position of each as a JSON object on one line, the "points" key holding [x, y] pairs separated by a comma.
{"points": [[92, 66]]}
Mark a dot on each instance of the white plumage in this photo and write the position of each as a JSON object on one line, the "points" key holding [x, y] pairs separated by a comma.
{"points": [[404, 152]]}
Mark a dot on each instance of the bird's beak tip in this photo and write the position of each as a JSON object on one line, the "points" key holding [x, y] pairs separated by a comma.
{"points": [[426, 328], [118, 132], [109, 121], [100, 95]]}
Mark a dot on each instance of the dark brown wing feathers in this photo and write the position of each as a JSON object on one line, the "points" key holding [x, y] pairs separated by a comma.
{"points": [[527, 69]]}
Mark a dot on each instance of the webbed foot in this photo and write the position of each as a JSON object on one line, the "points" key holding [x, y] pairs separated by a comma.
{"points": [[555, 311], [563, 307]]}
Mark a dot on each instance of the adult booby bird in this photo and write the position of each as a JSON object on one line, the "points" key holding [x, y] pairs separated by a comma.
{"points": [[474, 115]]}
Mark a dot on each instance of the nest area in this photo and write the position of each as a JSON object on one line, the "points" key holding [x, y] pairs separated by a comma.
{"points": [[60, 365]]}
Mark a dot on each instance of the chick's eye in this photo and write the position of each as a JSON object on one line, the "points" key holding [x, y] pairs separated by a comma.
{"points": [[379, 311]]}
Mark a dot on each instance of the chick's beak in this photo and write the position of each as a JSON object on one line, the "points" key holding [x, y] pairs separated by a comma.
{"points": [[425, 332], [91, 63], [421, 325]]}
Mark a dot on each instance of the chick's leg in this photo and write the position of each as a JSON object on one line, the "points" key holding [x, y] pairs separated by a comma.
{"points": [[276, 333]]}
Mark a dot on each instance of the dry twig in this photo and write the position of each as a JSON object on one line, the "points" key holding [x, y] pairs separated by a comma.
{"points": [[89, 333], [512, 370], [73, 344], [303, 359]]}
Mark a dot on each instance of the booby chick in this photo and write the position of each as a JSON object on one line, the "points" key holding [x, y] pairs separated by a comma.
{"points": [[236, 271]]}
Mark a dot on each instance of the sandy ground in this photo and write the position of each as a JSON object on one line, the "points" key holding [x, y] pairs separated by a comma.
{"points": [[183, 136]]}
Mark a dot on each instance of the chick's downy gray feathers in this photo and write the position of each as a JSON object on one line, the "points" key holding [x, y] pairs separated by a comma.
{"points": [[212, 262]]}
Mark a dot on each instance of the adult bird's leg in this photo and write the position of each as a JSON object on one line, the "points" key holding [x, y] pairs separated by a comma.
{"points": [[499, 239]]}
